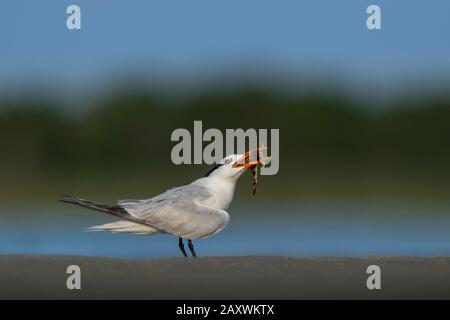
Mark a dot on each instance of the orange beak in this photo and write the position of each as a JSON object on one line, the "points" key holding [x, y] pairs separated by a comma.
{"points": [[252, 158]]}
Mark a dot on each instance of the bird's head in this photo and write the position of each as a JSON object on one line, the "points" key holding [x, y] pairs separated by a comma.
{"points": [[232, 166]]}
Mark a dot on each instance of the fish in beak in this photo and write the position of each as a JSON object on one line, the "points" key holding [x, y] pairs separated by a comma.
{"points": [[252, 160]]}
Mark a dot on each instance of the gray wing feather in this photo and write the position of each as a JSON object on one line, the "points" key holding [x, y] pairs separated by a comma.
{"points": [[177, 211]]}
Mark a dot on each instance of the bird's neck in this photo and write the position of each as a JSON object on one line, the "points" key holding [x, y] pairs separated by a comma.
{"points": [[222, 189]]}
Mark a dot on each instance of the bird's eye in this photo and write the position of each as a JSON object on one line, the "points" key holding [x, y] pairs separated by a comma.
{"points": [[227, 161]]}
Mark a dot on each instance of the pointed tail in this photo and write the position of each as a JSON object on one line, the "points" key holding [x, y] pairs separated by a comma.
{"points": [[114, 210]]}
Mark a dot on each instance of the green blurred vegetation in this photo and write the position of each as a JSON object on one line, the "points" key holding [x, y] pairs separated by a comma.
{"points": [[331, 146]]}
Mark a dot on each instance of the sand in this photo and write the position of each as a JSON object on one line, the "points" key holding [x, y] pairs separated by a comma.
{"points": [[44, 277]]}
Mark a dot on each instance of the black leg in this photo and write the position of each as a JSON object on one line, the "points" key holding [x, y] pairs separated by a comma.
{"points": [[181, 245], [191, 247]]}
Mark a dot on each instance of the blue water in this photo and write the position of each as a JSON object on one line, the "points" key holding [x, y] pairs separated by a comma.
{"points": [[307, 229]]}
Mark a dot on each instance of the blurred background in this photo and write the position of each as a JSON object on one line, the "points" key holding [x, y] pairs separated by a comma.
{"points": [[363, 117]]}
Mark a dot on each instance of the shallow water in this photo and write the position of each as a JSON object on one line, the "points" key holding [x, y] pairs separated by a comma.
{"points": [[307, 229]]}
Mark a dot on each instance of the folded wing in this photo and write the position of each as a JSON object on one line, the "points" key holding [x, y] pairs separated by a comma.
{"points": [[179, 212]]}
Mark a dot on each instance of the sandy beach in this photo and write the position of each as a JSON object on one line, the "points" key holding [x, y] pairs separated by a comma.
{"points": [[44, 277]]}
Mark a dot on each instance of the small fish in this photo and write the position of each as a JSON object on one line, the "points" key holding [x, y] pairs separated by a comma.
{"points": [[254, 169], [252, 160], [254, 172]]}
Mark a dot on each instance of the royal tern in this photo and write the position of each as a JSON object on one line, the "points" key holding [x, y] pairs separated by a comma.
{"points": [[193, 211]]}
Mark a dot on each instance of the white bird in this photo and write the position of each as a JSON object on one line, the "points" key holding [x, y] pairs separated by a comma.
{"points": [[193, 211]]}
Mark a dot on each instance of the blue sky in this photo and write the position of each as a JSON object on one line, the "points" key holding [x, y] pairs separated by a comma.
{"points": [[196, 37]]}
